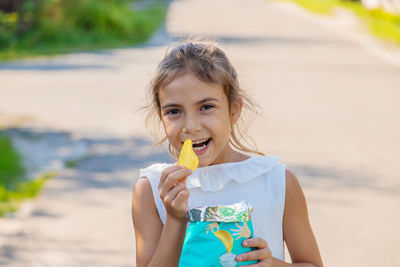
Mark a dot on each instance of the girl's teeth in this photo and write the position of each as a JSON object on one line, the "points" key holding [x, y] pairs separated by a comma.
{"points": [[199, 148], [199, 142]]}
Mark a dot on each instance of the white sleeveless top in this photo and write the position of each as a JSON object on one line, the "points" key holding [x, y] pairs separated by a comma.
{"points": [[259, 180]]}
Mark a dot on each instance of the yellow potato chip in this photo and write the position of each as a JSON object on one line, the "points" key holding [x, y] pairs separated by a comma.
{"points": [[187, 157], [226, 239]]}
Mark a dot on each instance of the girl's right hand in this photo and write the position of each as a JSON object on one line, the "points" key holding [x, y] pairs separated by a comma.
{"points": [[173, 192]]}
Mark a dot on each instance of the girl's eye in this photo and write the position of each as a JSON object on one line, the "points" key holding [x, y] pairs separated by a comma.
{"points": [[205, 107], [172, 112]]}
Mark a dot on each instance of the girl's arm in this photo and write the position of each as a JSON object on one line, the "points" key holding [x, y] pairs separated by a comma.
{"points": [[158, 245], [147, 224], [297, 232]]}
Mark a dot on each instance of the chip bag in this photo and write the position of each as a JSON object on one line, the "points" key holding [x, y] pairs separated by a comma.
{"points": [[215, 234]]}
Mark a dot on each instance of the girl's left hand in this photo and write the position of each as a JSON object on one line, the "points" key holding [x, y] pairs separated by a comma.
{"points": [[262, 253]]}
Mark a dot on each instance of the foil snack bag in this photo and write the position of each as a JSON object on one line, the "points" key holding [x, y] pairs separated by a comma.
{"points": [[215, 234]]}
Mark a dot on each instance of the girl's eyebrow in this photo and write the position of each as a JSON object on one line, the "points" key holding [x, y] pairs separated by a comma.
{"points": [[169, 106], [207, 99]]}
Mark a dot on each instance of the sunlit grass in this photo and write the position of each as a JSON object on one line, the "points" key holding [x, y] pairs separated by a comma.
{"points": [[10, 200], [14, 185], [381, 24], [319, 6]]}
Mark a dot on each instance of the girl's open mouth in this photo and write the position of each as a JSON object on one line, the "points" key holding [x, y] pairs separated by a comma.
{"points": [[201, 147]]}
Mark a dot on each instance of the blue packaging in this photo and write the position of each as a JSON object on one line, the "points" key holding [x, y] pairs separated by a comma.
{"points": [[215, 234]]}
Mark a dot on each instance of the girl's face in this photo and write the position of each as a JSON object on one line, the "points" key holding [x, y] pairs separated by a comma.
{"points": [[192, 109]]}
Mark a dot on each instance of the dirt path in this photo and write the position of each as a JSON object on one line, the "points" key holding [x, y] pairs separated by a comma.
{"points": [[331, 112]]}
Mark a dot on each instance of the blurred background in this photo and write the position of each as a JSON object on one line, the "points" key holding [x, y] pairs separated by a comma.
{"points": [[73, 74]]}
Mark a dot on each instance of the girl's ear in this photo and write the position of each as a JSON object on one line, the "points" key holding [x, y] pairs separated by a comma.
{"points": [[236, 110]]}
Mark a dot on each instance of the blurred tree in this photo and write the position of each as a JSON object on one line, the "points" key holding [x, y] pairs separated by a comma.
{"points": [[9, 6], [24, 10], [59, 25]]}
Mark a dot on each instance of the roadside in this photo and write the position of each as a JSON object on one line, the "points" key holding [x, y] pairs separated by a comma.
{"points": [[377, 22], [80, 159], [43, 152], [82, 218], [348, 25], [37, 28]]}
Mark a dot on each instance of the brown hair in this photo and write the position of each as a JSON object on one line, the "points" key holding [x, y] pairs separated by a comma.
{"points": [[208, 63]]}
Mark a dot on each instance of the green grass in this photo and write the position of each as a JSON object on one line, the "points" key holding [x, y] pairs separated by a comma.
{"points": [[11, 168], [319, 6], [59, 27], [381, 24], [14, 186], [10, 200]]}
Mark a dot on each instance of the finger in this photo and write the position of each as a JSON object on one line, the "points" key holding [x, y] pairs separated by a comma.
{"points": [[255, 243], [259, 254], [263, 263], [167, 171], [174, 177], [167, 184], [171, 195], [181, 199]]}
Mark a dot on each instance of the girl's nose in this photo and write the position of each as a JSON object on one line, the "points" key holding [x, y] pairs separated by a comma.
{"points": [[192, 124]]}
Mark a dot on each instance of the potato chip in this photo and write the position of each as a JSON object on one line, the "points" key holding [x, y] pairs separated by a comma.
{"points": [[187, 157], [226, 239]]}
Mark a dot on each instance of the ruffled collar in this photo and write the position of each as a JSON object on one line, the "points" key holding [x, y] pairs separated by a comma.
{"points": [[214, 177]]}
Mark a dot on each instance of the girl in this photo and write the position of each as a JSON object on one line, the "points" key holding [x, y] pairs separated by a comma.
{"points": [[196, 95]]}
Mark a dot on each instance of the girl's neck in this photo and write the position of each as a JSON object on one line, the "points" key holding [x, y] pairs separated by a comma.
{"points": [[237, 156], [233, 156]]}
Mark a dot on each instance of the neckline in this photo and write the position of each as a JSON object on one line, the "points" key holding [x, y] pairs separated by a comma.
{"points": [[216, 177], [210, 167]]}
